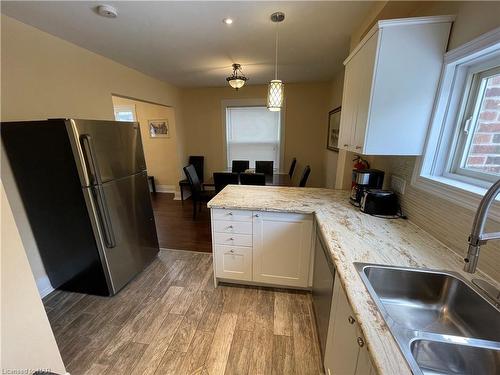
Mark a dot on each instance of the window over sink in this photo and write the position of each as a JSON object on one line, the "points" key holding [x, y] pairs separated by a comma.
{"points": [[462, 153], [477, 154]]}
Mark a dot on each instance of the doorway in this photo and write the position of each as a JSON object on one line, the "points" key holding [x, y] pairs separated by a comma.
{"points": [[174, 224]]}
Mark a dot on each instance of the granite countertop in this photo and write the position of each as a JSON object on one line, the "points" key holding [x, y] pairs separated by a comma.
{"points": [[352, 236]]}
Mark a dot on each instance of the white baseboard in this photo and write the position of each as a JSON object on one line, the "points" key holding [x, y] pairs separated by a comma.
{"points": [[170, 189], [165, 189], [44, 286]]}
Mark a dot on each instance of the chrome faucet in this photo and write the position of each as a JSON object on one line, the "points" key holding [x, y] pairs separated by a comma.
{"points": [[477, 236]]}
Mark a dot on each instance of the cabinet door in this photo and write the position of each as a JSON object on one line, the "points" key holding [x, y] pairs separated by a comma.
{"points": [[364, 63], [342, 349], [281, 248], [232, 262], [363, 364], [347, 115]]}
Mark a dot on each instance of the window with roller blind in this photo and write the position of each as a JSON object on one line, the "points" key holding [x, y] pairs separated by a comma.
{"points": [[253, 133]]}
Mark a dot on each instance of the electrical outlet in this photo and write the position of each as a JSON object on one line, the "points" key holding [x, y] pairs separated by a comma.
{"points": [[398, 184]]}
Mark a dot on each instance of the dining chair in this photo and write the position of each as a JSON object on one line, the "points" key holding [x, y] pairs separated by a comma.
{"points": [[198, 194], [252, 178], [265, 167], [199, 165], [221, 179], [305, 176], [292, 167], [240, 166]]}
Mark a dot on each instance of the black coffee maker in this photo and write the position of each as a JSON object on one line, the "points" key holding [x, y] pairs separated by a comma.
{"points": [[362, 180]]}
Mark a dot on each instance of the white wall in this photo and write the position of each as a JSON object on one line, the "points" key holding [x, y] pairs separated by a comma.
{"points": [[27, 341]]}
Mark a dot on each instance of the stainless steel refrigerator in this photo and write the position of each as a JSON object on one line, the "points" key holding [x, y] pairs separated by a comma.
{"points": [[84, 188]]}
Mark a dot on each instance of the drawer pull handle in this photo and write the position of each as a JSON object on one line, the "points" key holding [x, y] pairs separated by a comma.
{"points": [[231, 251], [230, 227], [257, 215], [229, 213], [230, 239], [360, 341], [346, 145], [351, 320]]}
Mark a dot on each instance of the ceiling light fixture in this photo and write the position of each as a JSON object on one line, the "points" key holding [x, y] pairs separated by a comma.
{"points": [[107, 11], [227, 21], [237, 79], [276, 88]]}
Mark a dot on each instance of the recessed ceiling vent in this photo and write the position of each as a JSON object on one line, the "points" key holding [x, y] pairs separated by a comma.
{"points": [[107, 11]]}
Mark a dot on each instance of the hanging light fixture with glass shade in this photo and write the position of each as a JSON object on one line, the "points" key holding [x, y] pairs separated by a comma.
{"points": [[237, 80], [276, 88]]}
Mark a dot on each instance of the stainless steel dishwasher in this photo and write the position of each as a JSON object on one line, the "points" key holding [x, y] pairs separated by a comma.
{"points": [[323, 278]]}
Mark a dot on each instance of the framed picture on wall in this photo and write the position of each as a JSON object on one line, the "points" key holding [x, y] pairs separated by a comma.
{"points": [[332, 141], [159, 129]]}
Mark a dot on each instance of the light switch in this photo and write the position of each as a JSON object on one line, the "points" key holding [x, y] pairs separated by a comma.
{"points": [[398, 184]]}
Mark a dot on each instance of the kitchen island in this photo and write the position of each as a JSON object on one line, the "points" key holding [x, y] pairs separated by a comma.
{"points": [[350, 236]]}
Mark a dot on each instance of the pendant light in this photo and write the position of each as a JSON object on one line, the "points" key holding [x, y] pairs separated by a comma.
{"points": [[275, 88], [237, 80]]}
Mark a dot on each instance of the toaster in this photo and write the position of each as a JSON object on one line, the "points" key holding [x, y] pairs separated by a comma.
{"points": [[380, 202]]}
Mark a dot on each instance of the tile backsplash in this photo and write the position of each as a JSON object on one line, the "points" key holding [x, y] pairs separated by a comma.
{"points": [[447, 221]]}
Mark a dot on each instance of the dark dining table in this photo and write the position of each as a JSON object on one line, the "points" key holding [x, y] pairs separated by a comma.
{"points": [[276, 179]]}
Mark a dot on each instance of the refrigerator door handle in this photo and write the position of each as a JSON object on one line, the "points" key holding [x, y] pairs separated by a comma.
{"points": [[95, 177], [91, 162], [104, 219]]}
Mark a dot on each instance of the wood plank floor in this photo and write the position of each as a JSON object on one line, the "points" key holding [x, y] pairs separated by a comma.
{"points": [[171, 320], [175, 225]]}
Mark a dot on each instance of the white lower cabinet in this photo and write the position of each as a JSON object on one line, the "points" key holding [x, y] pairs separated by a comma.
{"points": [[282, 248], [233, 262], [262, 247], [346, 352]]}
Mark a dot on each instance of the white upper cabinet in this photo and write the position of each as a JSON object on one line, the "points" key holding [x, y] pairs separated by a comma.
{"points": [[391, 79]]}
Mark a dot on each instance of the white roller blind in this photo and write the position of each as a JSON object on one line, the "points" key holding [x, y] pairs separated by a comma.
{"points": [[253, 133]]}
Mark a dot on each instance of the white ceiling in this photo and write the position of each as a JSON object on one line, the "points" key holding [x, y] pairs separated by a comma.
{"points": [[185, 43]]}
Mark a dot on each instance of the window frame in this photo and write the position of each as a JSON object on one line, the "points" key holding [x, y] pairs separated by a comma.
{"points": [[258, 102], [433, 171], [125, 108], [470, 109]]}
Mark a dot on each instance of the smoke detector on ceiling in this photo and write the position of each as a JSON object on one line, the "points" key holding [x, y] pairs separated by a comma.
{"points": [[107, 11]]}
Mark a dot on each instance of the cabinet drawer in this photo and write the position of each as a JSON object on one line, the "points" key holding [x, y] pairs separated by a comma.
{"points": [[232, 239], [231, 215], [240, 227], [233, 262]]}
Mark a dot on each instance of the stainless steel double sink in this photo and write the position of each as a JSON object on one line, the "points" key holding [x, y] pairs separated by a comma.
{"points": [[441, 322]]}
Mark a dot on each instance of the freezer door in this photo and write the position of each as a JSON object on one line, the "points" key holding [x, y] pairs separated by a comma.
{"points": [[125, 226], [106, 150]]}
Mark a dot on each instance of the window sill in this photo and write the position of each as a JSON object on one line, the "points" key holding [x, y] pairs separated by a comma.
{"points": [[458, 192]]}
